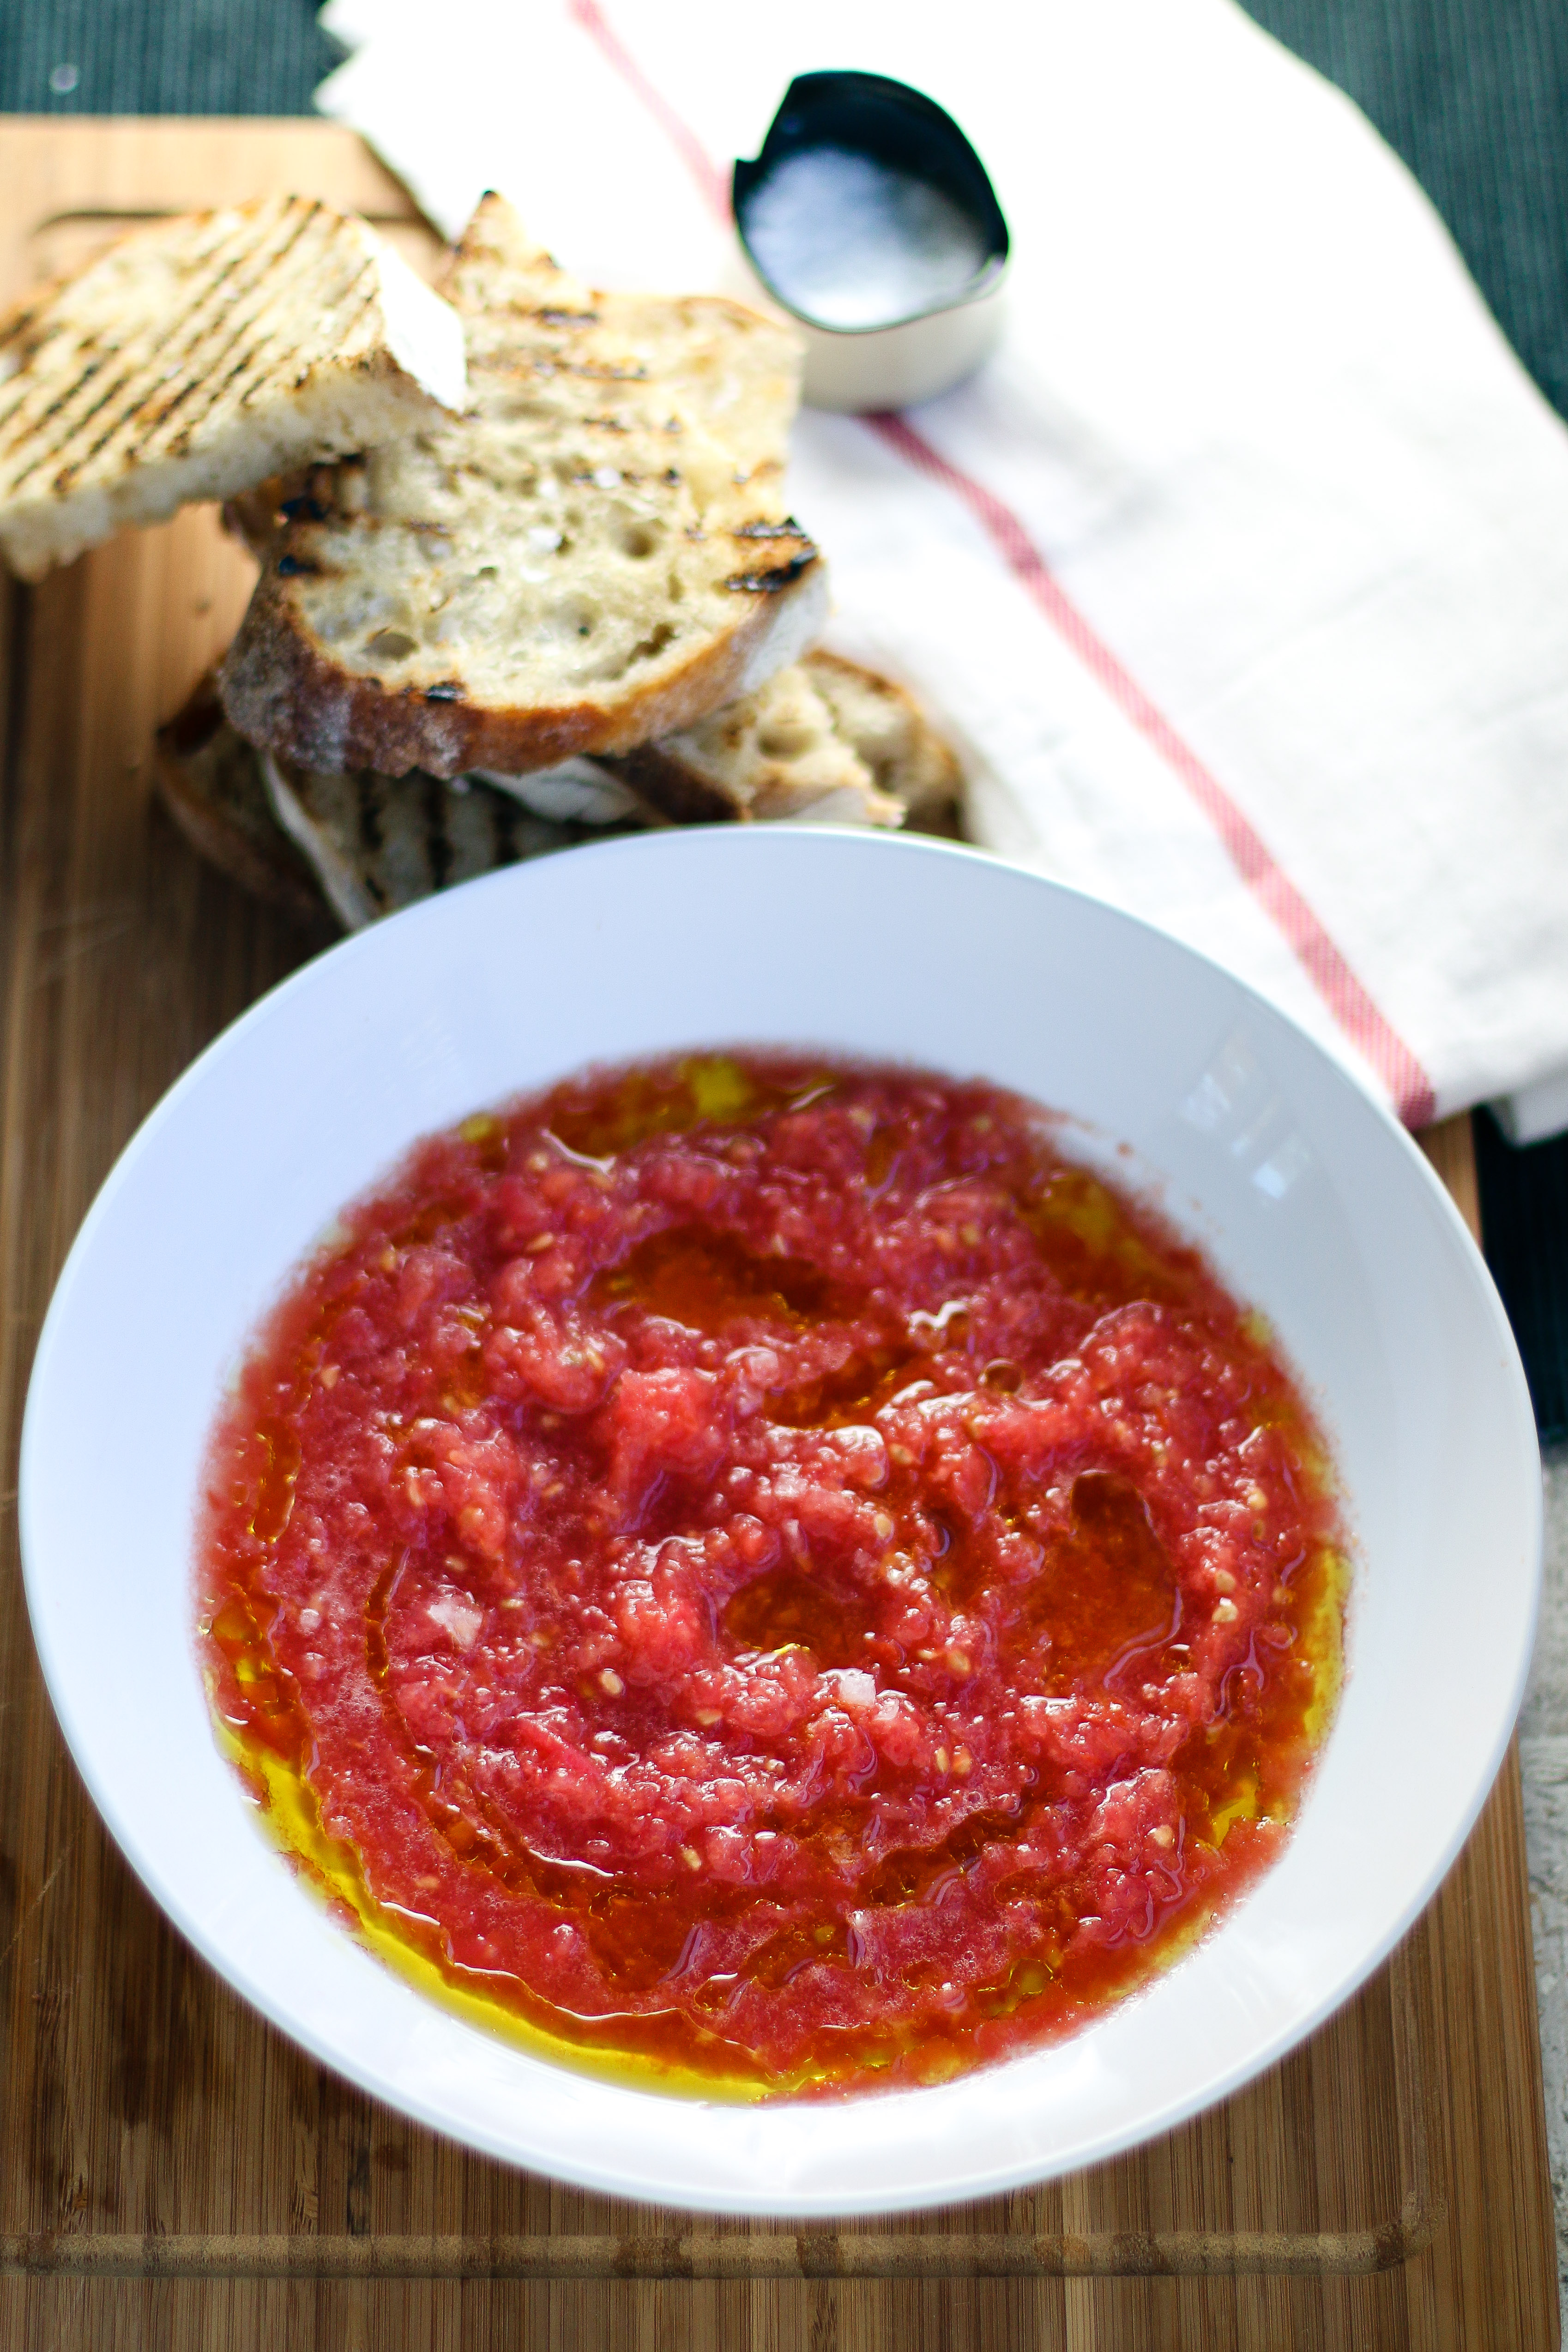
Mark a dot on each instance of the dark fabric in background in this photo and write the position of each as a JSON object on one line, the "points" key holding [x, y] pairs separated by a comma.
{"points": [[163, 57], [1472, 93]]}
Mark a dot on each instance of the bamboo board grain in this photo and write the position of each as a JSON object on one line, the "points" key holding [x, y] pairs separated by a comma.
{"points": [[173, 2173]]}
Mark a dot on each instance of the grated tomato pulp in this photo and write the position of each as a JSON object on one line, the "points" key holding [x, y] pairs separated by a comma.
{"points": [[767, 1575]]}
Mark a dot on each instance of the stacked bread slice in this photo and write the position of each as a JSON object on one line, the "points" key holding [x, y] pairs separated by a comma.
{"points": [[526, 567], [573, 610], [594, 554]]}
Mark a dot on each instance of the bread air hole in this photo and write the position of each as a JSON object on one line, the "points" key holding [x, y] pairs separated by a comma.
{"points": [[613, 663], [572, 618], [637, 541], [648, 648], [390, 645]]}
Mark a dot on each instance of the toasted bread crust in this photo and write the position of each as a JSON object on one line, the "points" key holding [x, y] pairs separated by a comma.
{"points": [[210, 785], [674, 789], [284, 693]]}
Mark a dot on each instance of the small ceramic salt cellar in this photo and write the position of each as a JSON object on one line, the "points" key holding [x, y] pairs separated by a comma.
{"points": [[869, 218]]}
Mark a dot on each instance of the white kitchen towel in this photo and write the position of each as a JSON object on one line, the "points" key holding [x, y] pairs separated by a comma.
{"points": [[1240, 573]]}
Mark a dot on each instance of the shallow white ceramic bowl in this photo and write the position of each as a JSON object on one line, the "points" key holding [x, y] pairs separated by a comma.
{"points": [[1313, 1204]]}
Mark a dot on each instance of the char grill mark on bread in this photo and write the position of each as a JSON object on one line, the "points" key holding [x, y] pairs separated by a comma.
{"points": [[598, 552], [202, 354], [358, 846], [375, 843]]}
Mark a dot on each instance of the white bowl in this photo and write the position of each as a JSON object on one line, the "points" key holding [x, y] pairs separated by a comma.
{"points": [[1315, 1206]]}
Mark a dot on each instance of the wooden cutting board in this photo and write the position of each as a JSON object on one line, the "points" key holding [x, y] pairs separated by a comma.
{"points": [[174, 2174]]}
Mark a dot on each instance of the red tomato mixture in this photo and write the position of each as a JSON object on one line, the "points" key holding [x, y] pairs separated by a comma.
{"points": [[765, 1568]]}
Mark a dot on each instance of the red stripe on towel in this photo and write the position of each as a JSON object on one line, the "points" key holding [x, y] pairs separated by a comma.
{"points": [[1356, 1013], [712, 182], [1351, 1006]]}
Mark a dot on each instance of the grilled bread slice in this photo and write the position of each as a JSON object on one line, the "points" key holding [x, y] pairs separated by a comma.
{"points": [[595, 554], [375, 843], [211, 783], [892, 737], [357, 847], [825, 740], [198, 356], [367, 844]]}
